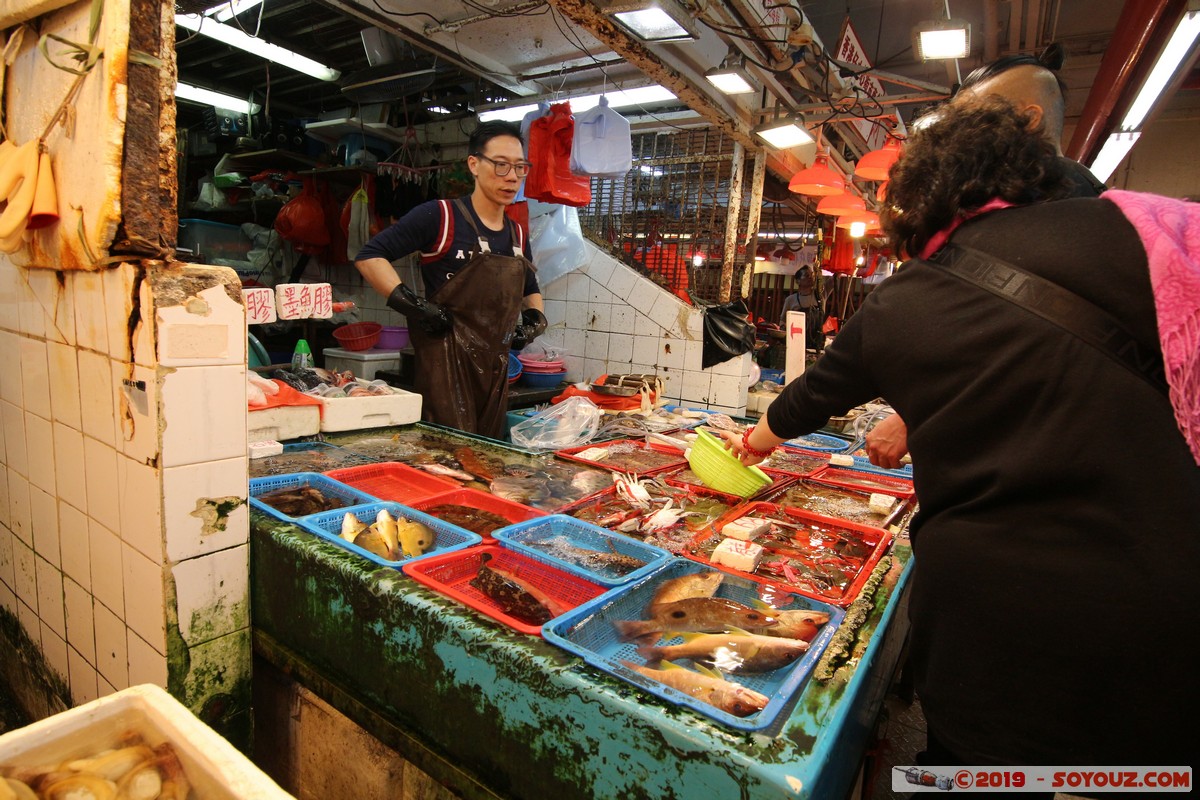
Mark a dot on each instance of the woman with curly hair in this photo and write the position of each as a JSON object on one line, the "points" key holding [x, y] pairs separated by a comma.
{"points": [[1053, 619]]}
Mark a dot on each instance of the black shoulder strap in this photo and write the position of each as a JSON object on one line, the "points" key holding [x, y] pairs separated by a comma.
{"points": [[466, 212], [1056, 304]]}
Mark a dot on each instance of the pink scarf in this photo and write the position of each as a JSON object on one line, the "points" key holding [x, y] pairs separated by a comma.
{"points": [[1170, 233]]}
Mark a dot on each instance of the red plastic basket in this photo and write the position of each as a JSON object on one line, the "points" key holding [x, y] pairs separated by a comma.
{"points": [[451, 575], [358, 335], [395, 482], [873, 541], [473, 498], [865, 481], [685, 478]]}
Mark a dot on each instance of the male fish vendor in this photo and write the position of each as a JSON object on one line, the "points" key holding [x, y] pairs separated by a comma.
{"points": [[481, 294]]}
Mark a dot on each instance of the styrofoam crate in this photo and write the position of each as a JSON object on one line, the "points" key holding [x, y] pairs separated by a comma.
{"points": [[377, 411], [214, 768], [363, 363], [283, 422]]}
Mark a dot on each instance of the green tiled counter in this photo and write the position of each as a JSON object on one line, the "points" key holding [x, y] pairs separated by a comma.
{"points": [[489, 711]]}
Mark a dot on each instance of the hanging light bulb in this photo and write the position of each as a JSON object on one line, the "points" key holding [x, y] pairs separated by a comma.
{"points": [[835, 205], [874, 166], [818, 180], [863, 222]]}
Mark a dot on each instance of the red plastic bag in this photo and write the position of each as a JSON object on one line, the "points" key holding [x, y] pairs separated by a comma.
{"points": [[302, 221], [551, 179]]}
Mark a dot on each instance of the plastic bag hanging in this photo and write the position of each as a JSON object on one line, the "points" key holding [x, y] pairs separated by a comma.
{"points": [[551, 180], [603, 146], [302, 220], [727, 333]]}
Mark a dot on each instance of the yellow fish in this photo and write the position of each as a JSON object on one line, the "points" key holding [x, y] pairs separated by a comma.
{"points": [[415, 538]]}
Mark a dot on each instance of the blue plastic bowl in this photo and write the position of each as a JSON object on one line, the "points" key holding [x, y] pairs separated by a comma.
{"points": [[514, 367], [543, 380]]}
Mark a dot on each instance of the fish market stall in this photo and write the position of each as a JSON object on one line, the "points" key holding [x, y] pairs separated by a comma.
{"points": [[489, 710]]}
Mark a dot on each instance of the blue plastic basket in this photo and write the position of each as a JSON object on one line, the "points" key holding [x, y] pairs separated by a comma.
{"points": [[588, 631], [447, 538], [327, 486], [524, 537], [819, 441]]}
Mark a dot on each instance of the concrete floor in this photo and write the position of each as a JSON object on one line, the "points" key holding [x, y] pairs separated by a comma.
{"points": [[902, 736]]}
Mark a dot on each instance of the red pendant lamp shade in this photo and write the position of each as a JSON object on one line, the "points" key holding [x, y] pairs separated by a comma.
{"points": [[818, 180], [835, 205], [874, 165]]}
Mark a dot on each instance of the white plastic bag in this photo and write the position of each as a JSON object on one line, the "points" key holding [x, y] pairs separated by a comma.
{"points": [[602, 145], [570, 423], [557, 243]]}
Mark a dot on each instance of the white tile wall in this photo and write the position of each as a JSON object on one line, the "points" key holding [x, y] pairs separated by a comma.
{"points": [[207, 330], [620, 350], [32, 318], [103, 503], [20, 515], [83, 677], [600, 267], [25, 574], [596, 346], [69, 463], [108, 575], [146, 665], [621, 281], [119, 283], [139, 491], [599, 316], [185, 492], [11, 390], [39, 439], [14, 438], [145, 598], [579, 288], [112, 651], [43, 509], [96, 396], [212, 594], [622, 318], [76, 542], [55, 650], [50, 598], [203, 425], [56, 302], [7, 558], [64, 384], [35, 377], [81, 630], [137, 410], [91, 323]]}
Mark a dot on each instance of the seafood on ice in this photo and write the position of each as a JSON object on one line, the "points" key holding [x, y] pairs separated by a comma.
{"points": [[515, 596], [707, 686]]}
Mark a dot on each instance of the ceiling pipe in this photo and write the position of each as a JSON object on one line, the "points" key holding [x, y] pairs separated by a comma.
{"points": [[1140, 32]]}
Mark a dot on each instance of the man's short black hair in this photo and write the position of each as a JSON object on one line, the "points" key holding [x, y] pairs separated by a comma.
{"points": [[490, 130], [1050, 59]]}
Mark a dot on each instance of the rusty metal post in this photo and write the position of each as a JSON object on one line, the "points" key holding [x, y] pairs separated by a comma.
{"points": [[753, 217], [733, 213]]}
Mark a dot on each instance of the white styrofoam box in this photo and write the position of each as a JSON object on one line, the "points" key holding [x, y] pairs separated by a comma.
{"points": [[214, 768], [265, 449], [352, 413], [363, 363], [282, 422]]}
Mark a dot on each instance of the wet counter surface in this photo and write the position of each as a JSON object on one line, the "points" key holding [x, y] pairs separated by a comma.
{"points": [[494, 713]]}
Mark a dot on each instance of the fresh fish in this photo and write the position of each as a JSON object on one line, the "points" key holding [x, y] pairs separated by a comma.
{"points": [[514, 596], [712, 614], [698, 584], [614, 561], [414, 538], [707, 686], [386, 525], [556, 606], [588, 481], [373, 542], [474, 464], [734, 651], [475, 520], [520, 490], [446, 472], [795, 624], [300, 501], [352, 526]]}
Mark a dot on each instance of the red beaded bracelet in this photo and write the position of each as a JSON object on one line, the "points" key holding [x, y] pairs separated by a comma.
{"points": [[746, 445]]}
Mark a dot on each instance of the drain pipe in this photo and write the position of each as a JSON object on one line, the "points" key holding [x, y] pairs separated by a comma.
{"points": [[1140, 31]]}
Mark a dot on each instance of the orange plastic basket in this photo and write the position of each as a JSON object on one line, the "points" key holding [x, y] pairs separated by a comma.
{"points": [[358, 335]]}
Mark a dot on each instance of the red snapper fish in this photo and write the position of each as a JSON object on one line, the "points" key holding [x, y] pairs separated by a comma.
{"points": [[734, 651]]}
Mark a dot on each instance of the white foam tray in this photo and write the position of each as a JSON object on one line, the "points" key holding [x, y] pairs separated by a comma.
{"points": [[354, 413], [214, 767], [282, 423]]}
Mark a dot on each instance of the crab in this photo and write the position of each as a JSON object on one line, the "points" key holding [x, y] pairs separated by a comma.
{"points": [[631, 490]]}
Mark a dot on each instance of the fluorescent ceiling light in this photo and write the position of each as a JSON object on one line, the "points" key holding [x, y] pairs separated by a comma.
{"points": [[623, 98], [730, 80], [943, 38], [236, 37], [230, 9], [185, 91], [1113, 153], [440, 110], [652, 20], [784, 133], [1177, 49]]}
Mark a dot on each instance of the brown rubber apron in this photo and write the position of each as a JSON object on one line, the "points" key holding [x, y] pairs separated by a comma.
{"points": [[462, 375]]}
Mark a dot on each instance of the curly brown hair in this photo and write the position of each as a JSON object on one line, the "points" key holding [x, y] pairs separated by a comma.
{"points": [[972, 153]]}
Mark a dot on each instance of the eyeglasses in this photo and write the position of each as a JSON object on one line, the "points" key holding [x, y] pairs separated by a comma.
{"points": [[502, 168]]}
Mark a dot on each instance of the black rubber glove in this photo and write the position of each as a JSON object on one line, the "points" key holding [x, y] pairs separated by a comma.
{"points": [[432, 318], [533, 324]]}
